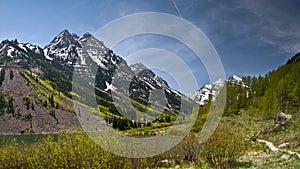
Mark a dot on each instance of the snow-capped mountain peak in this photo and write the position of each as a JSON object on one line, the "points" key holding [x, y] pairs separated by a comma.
{"points": [[65, 38], [95, 64], [17, 50], [202, 95], [137, 67], [70, 49], [63, 47], [235, 79], [142, 71], [87, 35]]}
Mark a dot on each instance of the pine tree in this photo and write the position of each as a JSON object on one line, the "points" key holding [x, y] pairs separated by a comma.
{"points": [[51, 100], [11, 75], [10, 108], [32, 107], [2, 76], [2, 104]]}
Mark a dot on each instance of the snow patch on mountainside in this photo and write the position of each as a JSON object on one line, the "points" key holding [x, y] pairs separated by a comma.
{"points": [[202, 95], [16, 50], [22, 47]]}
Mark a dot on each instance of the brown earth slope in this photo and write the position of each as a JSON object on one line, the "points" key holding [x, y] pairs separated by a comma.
{"points": [[33, 111]]}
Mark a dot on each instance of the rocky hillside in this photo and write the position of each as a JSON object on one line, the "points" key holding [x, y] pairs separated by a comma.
{"points": [[30, 105]]}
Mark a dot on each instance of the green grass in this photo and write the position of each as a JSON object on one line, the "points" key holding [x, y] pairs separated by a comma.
{"points": [[250, 123], [286, 133], [259, 156], [267, 159]]}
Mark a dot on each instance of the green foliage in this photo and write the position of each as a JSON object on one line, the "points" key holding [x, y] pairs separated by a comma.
{"points": [[32, 106], [121, 123], [69, 151], [52, 113], [294, 59], [10, 156], [2, 104], [260, 147], [51, 100], [7, 105], [203, 111], [11, 75], [278, 90], [224, 147], [163, 118], [28, 117], [46, 93], [18, 114], [2, 76], [79, 151], [27, 102], [187, 149], [10, 106]]}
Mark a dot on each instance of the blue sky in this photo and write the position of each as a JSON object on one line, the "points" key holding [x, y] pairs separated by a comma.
{"points": [[251, 36]]}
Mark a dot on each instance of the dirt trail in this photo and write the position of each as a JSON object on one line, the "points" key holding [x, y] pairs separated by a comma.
{"points": [[273, 148]]}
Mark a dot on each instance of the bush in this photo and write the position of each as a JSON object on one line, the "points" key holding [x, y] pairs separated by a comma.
{"points": [[184, 153], [188, 148], [223, 148], [79, 151], [68, 151]]}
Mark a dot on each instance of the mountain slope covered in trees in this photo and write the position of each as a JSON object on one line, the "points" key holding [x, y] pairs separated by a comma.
{"points": [[278, 90]]}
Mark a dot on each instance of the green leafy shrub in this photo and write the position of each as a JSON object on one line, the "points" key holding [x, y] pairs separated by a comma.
{"points": [[68, 151], [223, 148], [187, 149], [79, 151], [11, 75]]}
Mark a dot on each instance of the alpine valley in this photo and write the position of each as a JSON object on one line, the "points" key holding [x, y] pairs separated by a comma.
{"points": [[42, 89], [38, 84]]}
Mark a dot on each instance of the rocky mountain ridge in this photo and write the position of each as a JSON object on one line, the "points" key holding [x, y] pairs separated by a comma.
{"points": [[95, 64], [99, 66], [208, 91]]}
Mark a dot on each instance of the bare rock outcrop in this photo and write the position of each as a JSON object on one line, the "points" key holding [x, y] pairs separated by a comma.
{"points": [[282, 118]]}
